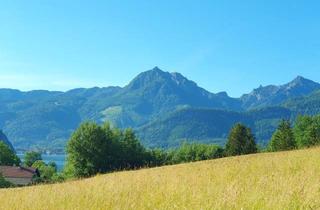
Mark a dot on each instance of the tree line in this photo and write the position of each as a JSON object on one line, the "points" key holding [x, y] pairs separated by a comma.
{"points": [[305, 133], [94, 149]]}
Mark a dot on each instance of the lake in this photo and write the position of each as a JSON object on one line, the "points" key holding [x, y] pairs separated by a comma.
{"points": [[58, 159]]}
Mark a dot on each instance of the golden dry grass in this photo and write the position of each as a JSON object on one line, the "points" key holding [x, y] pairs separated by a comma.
{"points": [[286, 180]]}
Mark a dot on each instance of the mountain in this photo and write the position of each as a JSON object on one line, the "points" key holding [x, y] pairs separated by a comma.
{"points": [[309, 104], [155, 92], [209, 125], [45, 119], [274, 95], [165, 108]]}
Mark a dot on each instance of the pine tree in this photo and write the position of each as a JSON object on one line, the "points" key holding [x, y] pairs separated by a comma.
{"points": [[240, 141], [283, 137]]}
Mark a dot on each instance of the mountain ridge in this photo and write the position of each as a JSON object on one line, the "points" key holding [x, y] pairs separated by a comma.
{"points": [[45, 119], [276, 94]]}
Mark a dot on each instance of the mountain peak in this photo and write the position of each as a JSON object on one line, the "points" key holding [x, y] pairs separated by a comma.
{"points": [[273, 94], [157, 76], [156, 71], [156, 68], [301, 81], [299, 78]]}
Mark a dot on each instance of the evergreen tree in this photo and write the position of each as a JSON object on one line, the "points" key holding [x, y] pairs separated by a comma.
{"points": [[283, 138], [313, 132], [240, 141], [307, 131], [301, 126]]}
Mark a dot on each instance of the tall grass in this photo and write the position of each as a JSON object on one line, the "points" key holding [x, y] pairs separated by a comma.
{"points": [[285, 180]]}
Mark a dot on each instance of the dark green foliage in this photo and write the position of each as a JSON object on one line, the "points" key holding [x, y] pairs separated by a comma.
{"points": [[88, 150], [307, 131], [187, 152], [7, 155], [4, 183], [195, 152], [31, 157], [96, 149], [283, 138], [158, 157], [240, 141], [47, 171], [133, 153]]}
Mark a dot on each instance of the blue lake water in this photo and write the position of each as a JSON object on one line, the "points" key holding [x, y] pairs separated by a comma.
{"points": [[58, 159]]}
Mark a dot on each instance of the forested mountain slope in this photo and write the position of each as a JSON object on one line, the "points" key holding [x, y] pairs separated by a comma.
{"points": [[150, 103]]}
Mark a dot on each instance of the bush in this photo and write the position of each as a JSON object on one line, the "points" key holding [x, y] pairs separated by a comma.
{"points": [[195, 152], [4, 183]]}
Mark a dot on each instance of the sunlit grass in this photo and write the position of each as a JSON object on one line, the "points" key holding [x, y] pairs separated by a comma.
{"points": [[286, 180]]}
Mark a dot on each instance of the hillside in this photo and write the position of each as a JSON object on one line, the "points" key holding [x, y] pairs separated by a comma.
{"points": [[260, 181], [209, 125], [309, 104]]}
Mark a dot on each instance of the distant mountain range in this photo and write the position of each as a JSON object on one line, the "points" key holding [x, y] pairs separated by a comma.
{"points": [[274, 95], [164, 108]]}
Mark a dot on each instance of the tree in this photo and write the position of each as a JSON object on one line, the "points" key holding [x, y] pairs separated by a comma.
{"points": [[240, 141], [283, 137], [157, 157], [313, 132], [133, 153], [301, 126], [7, 156], [31, 157], [88, 150], [307, 131]]}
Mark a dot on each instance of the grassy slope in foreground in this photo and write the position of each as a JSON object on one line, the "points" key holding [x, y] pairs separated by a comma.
{"points": [[286, 180]]}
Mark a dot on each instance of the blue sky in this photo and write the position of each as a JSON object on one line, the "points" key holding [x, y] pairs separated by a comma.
{"points": [[222, 45]]}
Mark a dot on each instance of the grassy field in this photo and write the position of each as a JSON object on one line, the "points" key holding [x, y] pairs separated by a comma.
{"points": [[286, 180]]}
